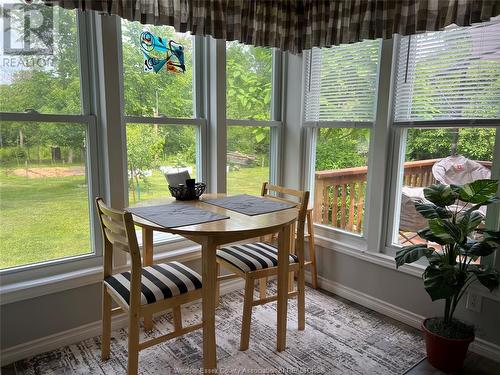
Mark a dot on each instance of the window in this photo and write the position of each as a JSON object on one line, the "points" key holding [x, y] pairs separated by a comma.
{"points": [[47, 140], [446, 106], [249, 77], [161, 131], [340, 99]]}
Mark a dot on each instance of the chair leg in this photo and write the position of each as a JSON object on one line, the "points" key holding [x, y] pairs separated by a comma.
{"points": [[312, 250], [247, 314], [177, 318], [291, 281], [301, 302], [262, 287], [133, 343], [106, 324]]}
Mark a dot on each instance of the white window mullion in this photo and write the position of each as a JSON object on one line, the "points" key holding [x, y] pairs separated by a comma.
{"points": [[199, 107], [114, 144], [275, 148], [217, 128], [380, 156]]}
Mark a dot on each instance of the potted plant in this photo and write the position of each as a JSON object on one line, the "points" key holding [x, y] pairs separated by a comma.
{"points": [[453, 216]]}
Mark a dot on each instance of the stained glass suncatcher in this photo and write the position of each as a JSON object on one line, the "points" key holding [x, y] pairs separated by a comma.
{"points": [[159, 52]]}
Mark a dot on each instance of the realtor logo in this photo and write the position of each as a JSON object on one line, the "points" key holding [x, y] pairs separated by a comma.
{"points": [[28, 29]]}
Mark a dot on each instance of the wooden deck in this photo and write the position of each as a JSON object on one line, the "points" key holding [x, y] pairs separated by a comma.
{"points": [[339, 194]]}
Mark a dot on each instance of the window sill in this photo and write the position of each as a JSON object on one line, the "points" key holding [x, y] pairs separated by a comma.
{"points": [[179, 250], [356, 241], [384, 260]]}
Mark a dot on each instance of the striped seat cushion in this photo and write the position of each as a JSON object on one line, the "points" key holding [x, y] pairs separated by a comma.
{"points": [[159, 281], [252, 256]]}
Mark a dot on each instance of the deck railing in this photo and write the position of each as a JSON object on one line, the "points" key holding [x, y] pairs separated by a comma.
{"points": [[339, 193]]}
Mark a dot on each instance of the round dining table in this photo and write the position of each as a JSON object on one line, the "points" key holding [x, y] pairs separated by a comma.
{"points": [[210, 235]]}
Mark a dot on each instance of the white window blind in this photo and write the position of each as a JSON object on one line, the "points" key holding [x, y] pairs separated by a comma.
{"points": [[341, 82], [449, 75]]}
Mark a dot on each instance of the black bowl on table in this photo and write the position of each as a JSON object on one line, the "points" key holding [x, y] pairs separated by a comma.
{"points": [[185, 193]]}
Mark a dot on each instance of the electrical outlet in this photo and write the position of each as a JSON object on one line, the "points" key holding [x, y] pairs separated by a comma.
{"points": [[473, 302]]}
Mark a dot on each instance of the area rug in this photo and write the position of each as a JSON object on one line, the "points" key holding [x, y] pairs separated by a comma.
{"points": [[340, 338]]}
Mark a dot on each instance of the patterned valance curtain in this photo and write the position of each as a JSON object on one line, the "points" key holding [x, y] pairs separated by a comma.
{"points": [[296, 25]]}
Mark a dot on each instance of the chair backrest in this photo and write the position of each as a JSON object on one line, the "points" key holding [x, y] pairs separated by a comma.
{"points": [[301, 201], [118, 234]]}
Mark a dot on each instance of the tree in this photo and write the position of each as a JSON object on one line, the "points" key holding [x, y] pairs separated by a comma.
{"points": [[249, 73], [144, 145], [341, 148]]}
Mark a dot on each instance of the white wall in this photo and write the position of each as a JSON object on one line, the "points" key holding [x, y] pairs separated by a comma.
{"points": [[403, 291]]}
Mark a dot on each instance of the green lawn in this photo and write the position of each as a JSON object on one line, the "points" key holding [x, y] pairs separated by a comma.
{"points": [[247, 180], [42, 219], [47, 218]]}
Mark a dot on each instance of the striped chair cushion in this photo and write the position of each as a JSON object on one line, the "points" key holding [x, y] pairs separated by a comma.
{"points": [[252, 256], [159, 281]]}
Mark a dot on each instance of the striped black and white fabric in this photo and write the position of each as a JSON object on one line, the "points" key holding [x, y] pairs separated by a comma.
{"points": [[159, 281], [252, 256]]}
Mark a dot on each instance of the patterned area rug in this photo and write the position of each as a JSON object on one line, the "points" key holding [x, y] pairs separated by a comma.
{"points": [[340, 338]]}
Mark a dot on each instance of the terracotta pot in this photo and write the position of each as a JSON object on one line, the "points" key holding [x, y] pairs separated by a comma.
{"points": [[445, 354]]}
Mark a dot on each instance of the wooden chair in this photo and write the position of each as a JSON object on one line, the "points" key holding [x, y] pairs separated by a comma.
{"points": [[259, 260], [312, 251], [142, 291]]}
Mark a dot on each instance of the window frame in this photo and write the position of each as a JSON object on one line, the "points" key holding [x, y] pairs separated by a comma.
{"points": [[198, 121], [87, 117], [398, 130], [359, 242]]}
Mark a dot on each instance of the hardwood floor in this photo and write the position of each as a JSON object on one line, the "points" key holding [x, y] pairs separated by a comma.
{"points": [[474, 365]]}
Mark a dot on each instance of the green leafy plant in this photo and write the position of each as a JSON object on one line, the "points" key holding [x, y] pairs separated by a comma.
{"points": [[453, 216]]}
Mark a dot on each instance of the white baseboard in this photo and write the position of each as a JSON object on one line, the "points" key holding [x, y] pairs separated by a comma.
{"points": [[486, 349], [74, 335], [479, 346]]}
